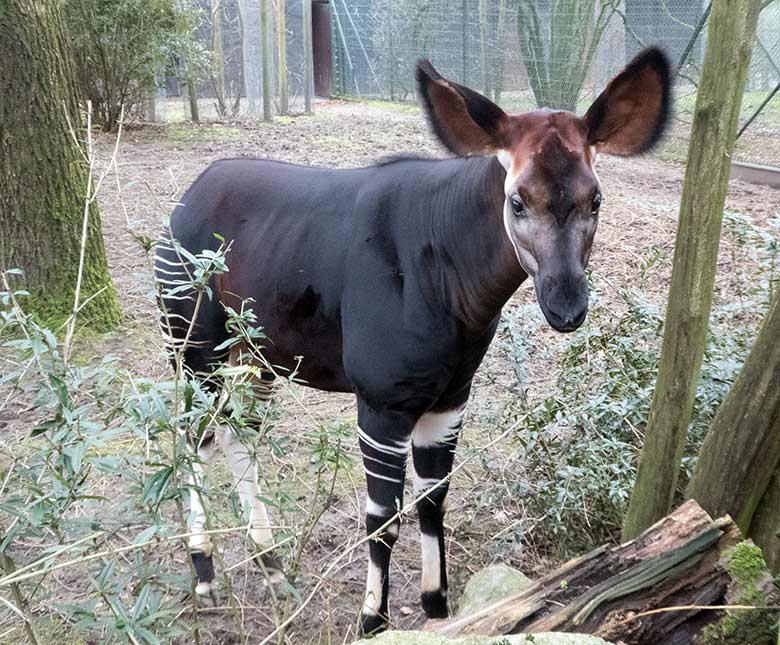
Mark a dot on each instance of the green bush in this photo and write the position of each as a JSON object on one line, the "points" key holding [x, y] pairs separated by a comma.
{"points": [[119, 47], [100, 487], [580, 445]]}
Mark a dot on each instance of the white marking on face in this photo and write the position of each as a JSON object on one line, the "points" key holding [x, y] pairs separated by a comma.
{"points": [[431, 562], [594, 155], [373, 599], [436, 428]]}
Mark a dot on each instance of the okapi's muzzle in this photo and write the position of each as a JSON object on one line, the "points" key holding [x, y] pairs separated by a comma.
{"points": [[563, 299]]}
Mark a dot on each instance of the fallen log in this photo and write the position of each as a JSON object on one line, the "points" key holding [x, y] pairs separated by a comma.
{"points": [[681, 561]]}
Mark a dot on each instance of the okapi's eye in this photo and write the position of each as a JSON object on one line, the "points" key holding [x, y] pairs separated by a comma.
{"points": [[595, 204], [518, 207]]}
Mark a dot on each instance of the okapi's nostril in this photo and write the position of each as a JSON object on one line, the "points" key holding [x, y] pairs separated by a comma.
{"points": [[566, 321]]}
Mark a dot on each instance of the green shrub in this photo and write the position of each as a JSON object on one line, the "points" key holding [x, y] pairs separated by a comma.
{"points": [[119, 47], [580, 445]]}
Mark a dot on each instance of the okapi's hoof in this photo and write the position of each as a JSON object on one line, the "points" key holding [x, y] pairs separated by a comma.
{"points": [[204, 569], [271, 566], [371, 624], [434, 604]]}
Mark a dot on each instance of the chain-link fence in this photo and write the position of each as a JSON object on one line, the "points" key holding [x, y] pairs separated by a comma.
{"points": [[555, 53], [229, 41], [521, 53]]}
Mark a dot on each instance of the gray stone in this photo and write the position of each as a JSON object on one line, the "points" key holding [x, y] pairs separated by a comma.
{"points": [[425, 638], [490, 585]]}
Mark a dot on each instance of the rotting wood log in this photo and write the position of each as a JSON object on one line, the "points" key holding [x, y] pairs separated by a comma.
{"points": [[681, 561]]}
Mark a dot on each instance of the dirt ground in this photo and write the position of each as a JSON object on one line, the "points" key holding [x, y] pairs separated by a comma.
{"points": [[638, 221]]}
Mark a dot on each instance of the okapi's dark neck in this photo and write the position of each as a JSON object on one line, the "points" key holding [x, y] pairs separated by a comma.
{"points": [[480, 269]]}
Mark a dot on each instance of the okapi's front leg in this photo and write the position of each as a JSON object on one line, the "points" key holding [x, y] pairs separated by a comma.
{"points": [[433, 449], [384, 443]]}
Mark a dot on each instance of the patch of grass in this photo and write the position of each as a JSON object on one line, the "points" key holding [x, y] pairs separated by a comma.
{"points": [[203, 133]]}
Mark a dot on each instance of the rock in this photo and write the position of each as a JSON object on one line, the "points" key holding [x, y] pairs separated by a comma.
{"points": [[490, 585], [425, 638]]}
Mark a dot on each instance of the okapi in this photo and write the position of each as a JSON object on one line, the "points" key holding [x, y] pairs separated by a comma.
{"points": [[389, 281]]}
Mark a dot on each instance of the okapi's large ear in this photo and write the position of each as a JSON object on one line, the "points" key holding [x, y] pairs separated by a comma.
{"points": [[464, 121], [631, 115]]}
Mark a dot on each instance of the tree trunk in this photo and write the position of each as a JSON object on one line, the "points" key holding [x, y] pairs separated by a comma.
{"points": [[250, 51], [308, 57], [192, 95], [266, 60], [765, 526], [282, 46], [686, 560], [42, 171], [729, 42], [218, 58], [742, 448]]}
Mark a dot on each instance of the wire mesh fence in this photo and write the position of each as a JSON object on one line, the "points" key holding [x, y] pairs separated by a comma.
{"points": [[521, 53], [554, 53]]}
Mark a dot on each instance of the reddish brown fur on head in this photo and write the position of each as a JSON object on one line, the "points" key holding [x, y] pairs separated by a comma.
{"points": [[628, 117], [552, 195]]}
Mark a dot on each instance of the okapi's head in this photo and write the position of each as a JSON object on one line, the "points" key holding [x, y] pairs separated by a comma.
{"points": [[552, 193]]}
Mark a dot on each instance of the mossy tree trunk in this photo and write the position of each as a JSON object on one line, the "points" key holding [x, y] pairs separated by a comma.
{"points": [[729, 42], [765, 525], [43, 173], [742, 448]]}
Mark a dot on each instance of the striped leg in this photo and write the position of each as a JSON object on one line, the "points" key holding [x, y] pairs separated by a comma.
{"points": [[384, 442], [242, 462], [199, 542], [241, 458], [433, 450]]}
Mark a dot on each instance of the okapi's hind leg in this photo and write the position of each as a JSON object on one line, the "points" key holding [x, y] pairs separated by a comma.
{"points": [[240, 447], [201, 549], [242, 461]]}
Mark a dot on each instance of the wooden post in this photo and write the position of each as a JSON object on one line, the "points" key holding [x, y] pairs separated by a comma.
{"points": [[308, 57], [282, 59], [724, 72], [265, 58]]}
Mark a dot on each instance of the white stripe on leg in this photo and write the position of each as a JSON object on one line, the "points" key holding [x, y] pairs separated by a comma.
{"points": [[244, 468], [436, 428], [373, 599], [431, 563], [199, 541]]}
